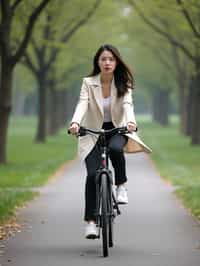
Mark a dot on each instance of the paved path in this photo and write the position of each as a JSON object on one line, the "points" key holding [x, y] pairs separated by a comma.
{"points": [[153, 230]]}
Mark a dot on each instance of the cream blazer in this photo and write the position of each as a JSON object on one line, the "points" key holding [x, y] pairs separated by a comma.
{"points": [[89, 113]]}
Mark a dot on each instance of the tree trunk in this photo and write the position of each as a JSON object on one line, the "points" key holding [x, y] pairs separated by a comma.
{"points": [[155, 106], [53, 105], [70, 101], [30, 104], [60, 108], [9, 61], [195, 129], [18, 103], [5, 106], [189, 107], [41, 127], [63, 112], [161, 107], [164, 108], [182, 80], [183, 95]]}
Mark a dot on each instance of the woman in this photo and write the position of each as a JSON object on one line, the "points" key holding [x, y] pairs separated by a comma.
{"points": [[106, 102]]}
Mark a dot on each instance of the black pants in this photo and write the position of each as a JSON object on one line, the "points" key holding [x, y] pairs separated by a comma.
{"points": [[93, 160]]}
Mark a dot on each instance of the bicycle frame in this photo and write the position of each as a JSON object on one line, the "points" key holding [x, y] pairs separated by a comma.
{"points": [[106, 204], [104, 166], [104, 169]]}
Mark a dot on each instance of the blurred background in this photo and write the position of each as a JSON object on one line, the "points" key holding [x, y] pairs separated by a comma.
{"points": [[47, 47]]}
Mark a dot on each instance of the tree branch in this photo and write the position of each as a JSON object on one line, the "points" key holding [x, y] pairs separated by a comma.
{"points": [[52, 57], [160, 55], [26, 61], [162, 32], [188, 18], [39, 50], [81, 22], [34, 44], [4, 7], [28, 32], [15, 4], [47, 34], [5, 28], [70, 33]]}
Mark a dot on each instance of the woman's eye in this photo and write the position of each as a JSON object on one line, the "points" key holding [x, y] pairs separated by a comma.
{"points": [[107, 59]]}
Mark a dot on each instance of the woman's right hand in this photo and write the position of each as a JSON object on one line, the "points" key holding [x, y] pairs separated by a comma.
{"points": [[74, 128]]}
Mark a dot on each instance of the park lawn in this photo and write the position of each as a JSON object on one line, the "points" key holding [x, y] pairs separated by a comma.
{"points": [[176, 159], [10, 200], [30, 164]]}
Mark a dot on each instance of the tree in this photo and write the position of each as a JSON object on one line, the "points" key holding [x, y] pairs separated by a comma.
{"points": [[154, 66], [42, 56], [188, 46], [10, 58]]}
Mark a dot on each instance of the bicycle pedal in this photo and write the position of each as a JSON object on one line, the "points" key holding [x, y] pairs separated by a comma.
{"points": [[92, 237]]}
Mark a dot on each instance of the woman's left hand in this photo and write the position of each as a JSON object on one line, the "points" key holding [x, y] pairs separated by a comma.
{"points": [[131, 126]]}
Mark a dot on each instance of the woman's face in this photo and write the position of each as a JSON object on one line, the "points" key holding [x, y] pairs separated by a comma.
{"points": [[107, 62]]}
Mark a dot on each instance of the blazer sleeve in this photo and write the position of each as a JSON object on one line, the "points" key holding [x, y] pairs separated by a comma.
{"points": [[129, 107], [82, 105]]}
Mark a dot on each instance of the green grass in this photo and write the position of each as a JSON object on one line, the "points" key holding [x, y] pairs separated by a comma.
{"points": [[9, 200], [176, 159], [30, 164]]}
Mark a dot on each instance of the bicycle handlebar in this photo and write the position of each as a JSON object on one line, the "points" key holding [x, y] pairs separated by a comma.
{"points": [[84, 131]]}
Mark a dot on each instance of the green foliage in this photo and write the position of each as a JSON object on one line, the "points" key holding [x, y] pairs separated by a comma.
{"points": [[152, 56], [149, 55], [53, 28], [23, 80], [75, 56], [83, 45], [20, 20], [152, 53]]}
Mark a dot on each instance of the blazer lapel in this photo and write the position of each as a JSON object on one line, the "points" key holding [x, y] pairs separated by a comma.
{"points": [[97, 91], [113, 95]]}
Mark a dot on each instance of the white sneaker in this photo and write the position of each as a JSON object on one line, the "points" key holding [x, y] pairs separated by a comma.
{"points": [[121, 195], [91, 231]]}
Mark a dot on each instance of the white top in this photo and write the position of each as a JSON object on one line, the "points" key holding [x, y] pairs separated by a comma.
{"points": [[106, 109]]}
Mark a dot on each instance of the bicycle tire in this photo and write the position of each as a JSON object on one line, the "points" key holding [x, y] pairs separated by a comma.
{"points": [[110, 232], [111, 219], [104, 213]]}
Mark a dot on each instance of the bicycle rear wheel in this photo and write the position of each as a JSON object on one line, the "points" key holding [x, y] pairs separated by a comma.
{"points": [[104, 213]]}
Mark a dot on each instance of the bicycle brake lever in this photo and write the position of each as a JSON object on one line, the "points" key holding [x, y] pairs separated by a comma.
{"points": [[82, 132], [123, 130]]}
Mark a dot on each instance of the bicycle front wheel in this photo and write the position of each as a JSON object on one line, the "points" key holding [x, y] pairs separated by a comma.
{"points": [[104, 214], [111, 229]]}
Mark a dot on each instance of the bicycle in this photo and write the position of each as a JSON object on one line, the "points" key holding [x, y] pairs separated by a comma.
{"points": [[106, 204]]}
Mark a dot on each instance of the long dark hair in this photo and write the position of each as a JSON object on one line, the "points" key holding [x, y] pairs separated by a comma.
{"points": [[122, 74]]}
